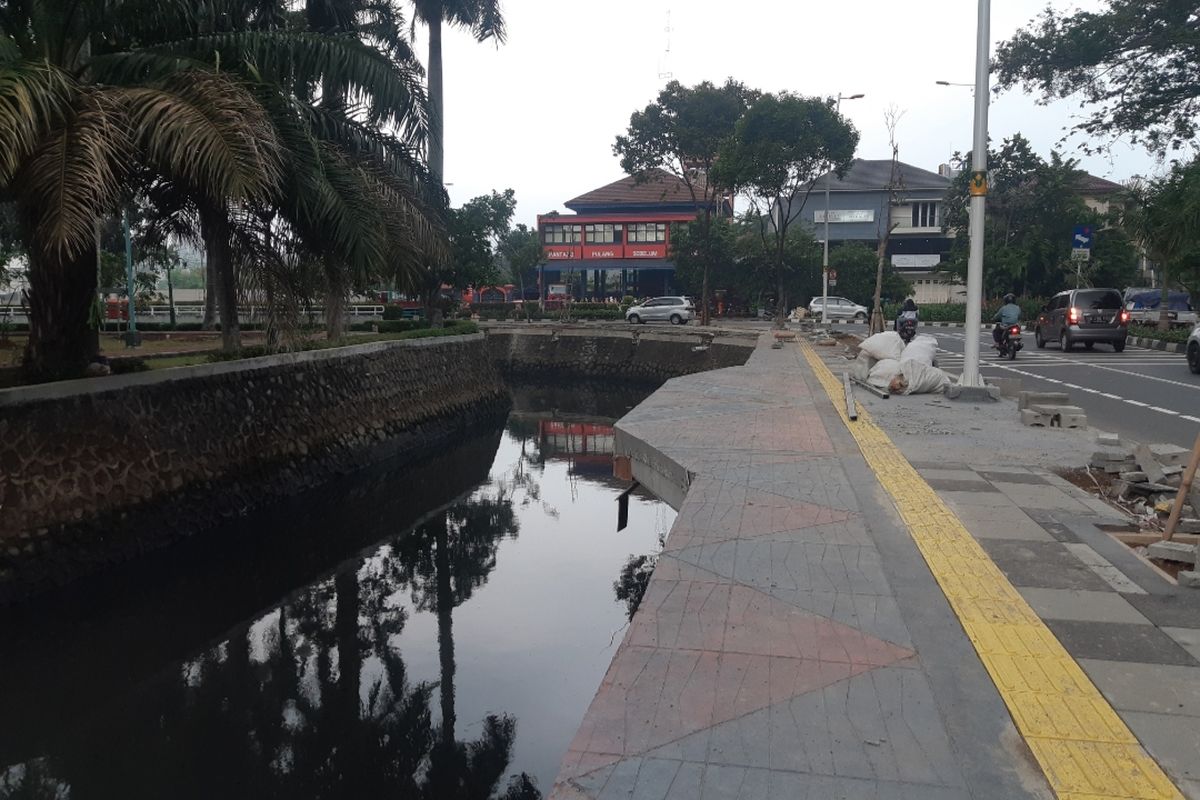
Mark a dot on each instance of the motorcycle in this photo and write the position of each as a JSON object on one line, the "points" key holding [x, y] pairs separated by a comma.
{"points": [[907, 328], [1010, 342]]}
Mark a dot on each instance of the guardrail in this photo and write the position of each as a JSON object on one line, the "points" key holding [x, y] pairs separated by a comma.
{"points": [[157, 313]]}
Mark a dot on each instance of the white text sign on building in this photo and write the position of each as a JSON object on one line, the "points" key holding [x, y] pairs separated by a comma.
{"points": [[839, 215], [907, 261]]}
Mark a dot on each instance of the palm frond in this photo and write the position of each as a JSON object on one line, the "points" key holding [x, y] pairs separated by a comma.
{"points": [[391, 91], [75, 175], [206, 130], [34, 96]]}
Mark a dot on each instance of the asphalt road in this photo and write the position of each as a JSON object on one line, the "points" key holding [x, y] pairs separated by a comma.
{"points": [[1144, 395]]}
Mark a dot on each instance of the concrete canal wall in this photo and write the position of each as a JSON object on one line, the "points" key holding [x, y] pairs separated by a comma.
{"points": [[97, 471], [643, 355]]}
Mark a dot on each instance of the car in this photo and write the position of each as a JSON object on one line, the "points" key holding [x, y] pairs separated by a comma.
{"points": [[675, 310], [840, 308], [1083, 316], [1145, 306], [1193, 350]]}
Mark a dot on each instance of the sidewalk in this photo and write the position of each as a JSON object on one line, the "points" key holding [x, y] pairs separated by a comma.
{"points": [[794, 643]]}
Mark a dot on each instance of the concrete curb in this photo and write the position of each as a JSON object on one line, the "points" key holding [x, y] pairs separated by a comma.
{"points": [[919, 325], [1157, 344]]}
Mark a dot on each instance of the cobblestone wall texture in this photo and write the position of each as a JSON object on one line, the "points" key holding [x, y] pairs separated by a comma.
{"points": [[102, 470]]}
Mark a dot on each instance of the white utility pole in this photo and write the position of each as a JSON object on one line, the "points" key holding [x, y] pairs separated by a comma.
{"points": [[825, 258], [978, 188]]}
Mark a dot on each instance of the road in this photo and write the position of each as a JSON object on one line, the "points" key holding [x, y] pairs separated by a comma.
{"points": [[1144, 395]]}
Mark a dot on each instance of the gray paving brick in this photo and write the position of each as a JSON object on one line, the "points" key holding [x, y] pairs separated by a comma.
{"points": [[1047, 565], [1152, 688], [1083, 606], [1188, 638], [1111, 641], [1178, 609], [1013, 477]]}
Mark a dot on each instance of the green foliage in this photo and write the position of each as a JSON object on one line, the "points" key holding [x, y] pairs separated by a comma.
{"points": [[455, 328], [1166, 217], [520, 249], [957, 312], [1033, 207], [476, 232], [1135, 61], [856, 266], [1178, 335], [398, 325], [396, 312]]}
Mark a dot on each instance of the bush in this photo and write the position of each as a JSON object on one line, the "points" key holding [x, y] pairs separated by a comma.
{"points": [[123, 366], [1150, 332], [610, 312], [957, 312], [398, 325]]}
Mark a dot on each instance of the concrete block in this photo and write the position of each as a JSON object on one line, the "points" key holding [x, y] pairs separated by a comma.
{"points": [[1188, 526], [1134, 477], [1105, 439], [1172, 551], [1061, 416], [1170, 455], [972, 394], [1010, 388], [1033, 419], [1189, 579], [1149, 464], [1111, 454], [1026, 399]]}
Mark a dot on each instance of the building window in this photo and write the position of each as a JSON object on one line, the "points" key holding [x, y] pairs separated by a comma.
{"points": [[648, 233], [563, 234], [602, 234], [925, 215]]}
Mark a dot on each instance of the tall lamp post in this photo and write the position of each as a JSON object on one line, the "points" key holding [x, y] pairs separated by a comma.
{"points": [[825, 256], [970, 377]]}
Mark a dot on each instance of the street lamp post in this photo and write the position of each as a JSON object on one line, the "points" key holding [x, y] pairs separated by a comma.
{"points": [[825, 256], [978, 189]]}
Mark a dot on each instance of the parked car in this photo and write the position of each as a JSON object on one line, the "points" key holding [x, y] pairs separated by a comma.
{"points": [[840, 308], [1193, 350], [676, 310], [1144, 307], [1084, 316]]}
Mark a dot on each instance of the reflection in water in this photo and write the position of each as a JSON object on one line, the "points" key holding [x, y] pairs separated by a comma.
{"points": [[453, 659]]}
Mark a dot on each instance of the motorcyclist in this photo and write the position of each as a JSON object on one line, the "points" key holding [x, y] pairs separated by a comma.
{"points": [[907, 311], [1009, 314]]}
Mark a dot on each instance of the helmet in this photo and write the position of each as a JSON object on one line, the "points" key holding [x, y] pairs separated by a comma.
{"points": [[1009, 298]]}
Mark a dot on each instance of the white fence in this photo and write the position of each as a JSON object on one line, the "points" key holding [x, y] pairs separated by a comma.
{"points": [[195, 311]]}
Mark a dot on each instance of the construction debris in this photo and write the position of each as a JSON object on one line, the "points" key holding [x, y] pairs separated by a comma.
{"points": [[1147, 479], [1051, 410]]}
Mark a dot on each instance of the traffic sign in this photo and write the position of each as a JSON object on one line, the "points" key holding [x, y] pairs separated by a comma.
{"points": [[1081, 254], [1083, 237]]}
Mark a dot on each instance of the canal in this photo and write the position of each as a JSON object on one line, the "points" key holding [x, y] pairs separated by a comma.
{"points": [[429, 631]]}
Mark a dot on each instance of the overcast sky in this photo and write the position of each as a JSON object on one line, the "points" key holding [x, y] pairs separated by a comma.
{"points": [[539, 114]]}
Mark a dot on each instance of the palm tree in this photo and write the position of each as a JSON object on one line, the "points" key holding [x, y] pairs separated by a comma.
{"points": [[69, 136], [484, 19]]}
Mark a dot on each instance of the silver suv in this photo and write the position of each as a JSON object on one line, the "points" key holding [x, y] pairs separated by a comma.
{"points": [[1084, 316], [1193, 350], [840, 308], [676, 310]]}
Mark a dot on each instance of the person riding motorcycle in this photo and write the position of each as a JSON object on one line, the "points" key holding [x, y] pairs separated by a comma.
{"points": [[907, 311], [1009, 314]]}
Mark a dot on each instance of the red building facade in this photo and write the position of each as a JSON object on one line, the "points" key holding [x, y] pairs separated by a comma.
{"points": [[618, 240]]}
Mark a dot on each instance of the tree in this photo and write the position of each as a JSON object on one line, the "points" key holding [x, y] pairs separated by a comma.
{"points": [[856, 266], [1136, 61], [521, 251], [1166, 217], [1033, 206], [683, 134], [782, 144], [80, 103], [484, 19]]}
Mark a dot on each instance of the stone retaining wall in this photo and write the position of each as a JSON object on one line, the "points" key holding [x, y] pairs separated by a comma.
{"points": [[642, 355], [99, 470]]}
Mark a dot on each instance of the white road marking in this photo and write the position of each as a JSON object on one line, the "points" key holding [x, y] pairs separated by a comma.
{"points": [[1189, 419], [1164, 411]]}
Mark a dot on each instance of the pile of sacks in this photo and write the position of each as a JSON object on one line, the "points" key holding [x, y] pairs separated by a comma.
{"points": [[884, 361]]}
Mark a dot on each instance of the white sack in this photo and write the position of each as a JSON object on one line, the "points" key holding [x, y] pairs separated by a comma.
{"points": [[884, 345], [883, 372], [861, 368], [922, 348], [923, 378]]}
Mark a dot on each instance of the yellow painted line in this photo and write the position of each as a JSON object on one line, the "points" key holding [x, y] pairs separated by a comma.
{"points": [[1085, 750]]}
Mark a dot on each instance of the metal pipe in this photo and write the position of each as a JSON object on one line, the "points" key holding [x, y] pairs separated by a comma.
{"points": [[970, 374]]}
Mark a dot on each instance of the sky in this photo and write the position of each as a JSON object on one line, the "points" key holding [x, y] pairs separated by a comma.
{"points": [[539, 114]]}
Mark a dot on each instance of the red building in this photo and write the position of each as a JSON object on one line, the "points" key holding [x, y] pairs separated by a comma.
{"points": [[618, 240]]}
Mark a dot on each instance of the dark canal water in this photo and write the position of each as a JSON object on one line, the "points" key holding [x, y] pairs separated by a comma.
{"points": [[435, 631]]}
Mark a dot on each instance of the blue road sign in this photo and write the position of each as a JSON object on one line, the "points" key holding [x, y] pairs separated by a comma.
{"points": [[1083, 238]]}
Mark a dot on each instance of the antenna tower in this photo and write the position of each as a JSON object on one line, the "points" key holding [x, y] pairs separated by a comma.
{"points": [[664, 66]]}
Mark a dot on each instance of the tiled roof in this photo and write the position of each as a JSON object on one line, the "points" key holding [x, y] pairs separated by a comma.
{"points": [[867, 175], [1090, 185], [661, 188]]}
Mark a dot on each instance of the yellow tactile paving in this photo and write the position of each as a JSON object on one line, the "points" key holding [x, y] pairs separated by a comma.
{"points": [[1085, 750]]}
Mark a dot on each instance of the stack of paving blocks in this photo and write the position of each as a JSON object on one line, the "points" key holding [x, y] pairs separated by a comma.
{"points": [[1050, 410]]}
